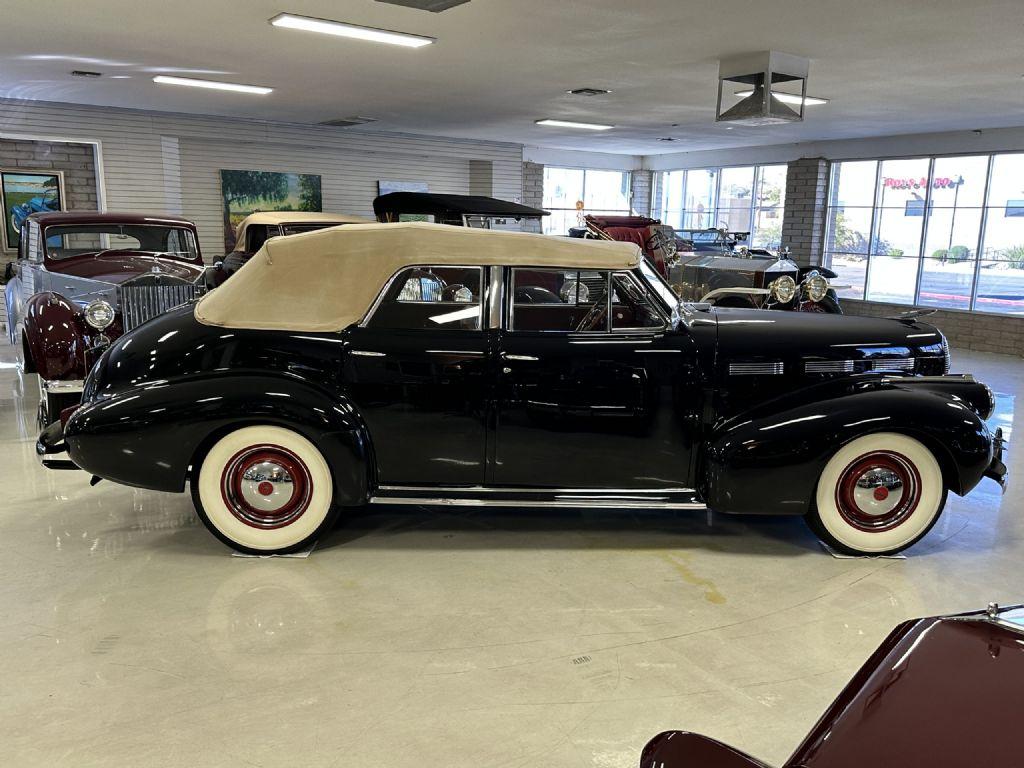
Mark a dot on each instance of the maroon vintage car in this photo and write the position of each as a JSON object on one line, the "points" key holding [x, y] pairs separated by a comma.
{"points": [[82, 279], [940, 692]]}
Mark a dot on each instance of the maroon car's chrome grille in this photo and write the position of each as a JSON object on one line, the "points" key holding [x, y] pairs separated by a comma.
{"points": [[139, 303]]}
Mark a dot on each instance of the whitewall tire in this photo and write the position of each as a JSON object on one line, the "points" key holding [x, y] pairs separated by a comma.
{"points": [[264, 490], [878, 495]]}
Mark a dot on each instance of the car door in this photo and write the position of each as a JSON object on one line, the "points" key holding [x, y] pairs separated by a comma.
{"points": [[595, 390], [418, 371]]}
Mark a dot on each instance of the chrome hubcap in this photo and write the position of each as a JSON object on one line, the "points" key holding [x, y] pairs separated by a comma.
{"points": [[266, 486], [878, 491]]}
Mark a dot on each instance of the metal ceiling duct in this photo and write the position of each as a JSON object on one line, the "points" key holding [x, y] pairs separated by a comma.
{"points": [[763, 71]]}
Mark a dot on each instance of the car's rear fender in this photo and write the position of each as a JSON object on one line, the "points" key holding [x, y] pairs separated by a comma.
{"points": [[769, 461], [151, 436]]}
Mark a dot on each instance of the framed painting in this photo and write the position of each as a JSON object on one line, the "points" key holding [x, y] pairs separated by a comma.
{"points": [[246, 192], [23, 193]]}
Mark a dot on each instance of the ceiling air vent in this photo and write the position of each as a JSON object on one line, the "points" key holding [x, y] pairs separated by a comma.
{"points": [[760, 73], [85, 73], [348, 122], [588, 92], [434, 6]]}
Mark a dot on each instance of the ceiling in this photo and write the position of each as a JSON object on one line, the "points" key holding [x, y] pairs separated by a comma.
{"points": [[498, 65]]}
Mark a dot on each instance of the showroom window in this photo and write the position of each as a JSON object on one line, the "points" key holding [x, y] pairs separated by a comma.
{"points": [[749, 198], [967, 253], [600, 192]]}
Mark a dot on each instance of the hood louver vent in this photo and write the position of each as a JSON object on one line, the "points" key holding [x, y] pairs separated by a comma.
{"points": [[434, 6]]}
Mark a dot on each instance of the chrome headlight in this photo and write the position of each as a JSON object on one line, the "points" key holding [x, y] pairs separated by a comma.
{"points": [[99, 314], [816, 287], [783, 289], [573, 292]]}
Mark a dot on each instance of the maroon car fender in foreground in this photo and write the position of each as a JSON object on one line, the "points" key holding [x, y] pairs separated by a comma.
{"points": [[940, 692]]}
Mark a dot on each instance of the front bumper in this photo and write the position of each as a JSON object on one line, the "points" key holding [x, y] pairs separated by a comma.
{"points": [[997, 468], [51, 448]]}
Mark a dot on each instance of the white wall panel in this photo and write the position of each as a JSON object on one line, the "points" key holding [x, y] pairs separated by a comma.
{"points": [[164, 162]]}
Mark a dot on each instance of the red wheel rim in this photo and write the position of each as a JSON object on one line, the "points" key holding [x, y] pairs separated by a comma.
{"points": [[878, 491], [266, 486]]}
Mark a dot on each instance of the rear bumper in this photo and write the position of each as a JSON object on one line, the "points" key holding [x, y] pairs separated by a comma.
{"points": [[997, 468], [51, 448]]}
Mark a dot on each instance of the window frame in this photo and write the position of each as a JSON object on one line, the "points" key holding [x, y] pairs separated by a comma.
{"points": [[716, 208], [628, 211], [985, 208], [508, 313], [483, 303]]}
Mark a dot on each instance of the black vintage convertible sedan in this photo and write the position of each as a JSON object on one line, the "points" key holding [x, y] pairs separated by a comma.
{"points": [[425, 364]]}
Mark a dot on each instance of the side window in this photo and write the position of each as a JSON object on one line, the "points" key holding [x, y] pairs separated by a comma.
{"points": [[563, 300], [432, 298], [632, 306], [255, 237]]}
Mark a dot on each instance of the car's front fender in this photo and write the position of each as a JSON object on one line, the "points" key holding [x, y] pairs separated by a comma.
{"points": [[769, 460], [150, 436], [54, 338]]}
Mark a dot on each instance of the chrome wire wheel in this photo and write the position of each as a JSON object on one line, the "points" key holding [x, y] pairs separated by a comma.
{"points": [[878, 494]]}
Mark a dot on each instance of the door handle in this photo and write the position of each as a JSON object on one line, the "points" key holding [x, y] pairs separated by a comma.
{"points": [[522, 358]]}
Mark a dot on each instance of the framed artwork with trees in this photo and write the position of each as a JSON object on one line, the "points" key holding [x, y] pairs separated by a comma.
{"points": [[246, 192]]}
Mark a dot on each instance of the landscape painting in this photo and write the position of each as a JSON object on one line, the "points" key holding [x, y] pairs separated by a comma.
{"points": [[25, 193], [246, 192]]}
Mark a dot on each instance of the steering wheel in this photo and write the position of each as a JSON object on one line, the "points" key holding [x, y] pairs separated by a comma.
{"points": [[590, 320]]}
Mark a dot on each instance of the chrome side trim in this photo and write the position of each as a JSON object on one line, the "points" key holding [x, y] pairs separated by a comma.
{"points": [[828, 366], [367, 353], [756, 369], [60, 387], [901, 364], [523, 358], [445, 490], [611, 503]]}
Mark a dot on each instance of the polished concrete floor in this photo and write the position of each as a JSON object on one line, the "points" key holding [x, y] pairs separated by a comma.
{"points": [[130, 637]]}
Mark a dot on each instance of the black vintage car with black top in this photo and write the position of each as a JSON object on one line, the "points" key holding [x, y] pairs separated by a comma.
{"points": [[418, 363]]}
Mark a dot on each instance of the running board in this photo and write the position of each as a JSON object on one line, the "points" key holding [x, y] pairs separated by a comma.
{"points": [[481, 496]]}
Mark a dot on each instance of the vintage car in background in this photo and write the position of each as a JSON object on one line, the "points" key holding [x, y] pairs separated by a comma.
{"points": [[256, 228], [82, 279], [714, 266], [418, 363], [939, 692], [45, 203], [461, 210]]}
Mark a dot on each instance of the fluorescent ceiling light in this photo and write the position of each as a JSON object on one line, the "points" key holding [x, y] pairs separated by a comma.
{"points": [[570, 124], [340, 29], [217, 86], [788, 98]]}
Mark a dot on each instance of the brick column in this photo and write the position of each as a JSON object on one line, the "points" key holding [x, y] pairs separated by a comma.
{"points": [[533, 192], [640, 192], [803, 223]]}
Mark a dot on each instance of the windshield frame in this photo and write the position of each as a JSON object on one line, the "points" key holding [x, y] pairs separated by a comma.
{"points": [[63, 230]]}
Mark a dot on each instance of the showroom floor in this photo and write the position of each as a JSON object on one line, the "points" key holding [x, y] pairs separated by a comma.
{"points": [[430, 638]]}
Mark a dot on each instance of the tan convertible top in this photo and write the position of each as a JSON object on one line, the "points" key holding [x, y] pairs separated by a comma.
{"points": [[276, 218], [327, 280]]}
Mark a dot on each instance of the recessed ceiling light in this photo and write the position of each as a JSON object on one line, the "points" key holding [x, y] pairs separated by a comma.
{"points": [[340, 29], [787, 98], [215, 85], [571, 124]]}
